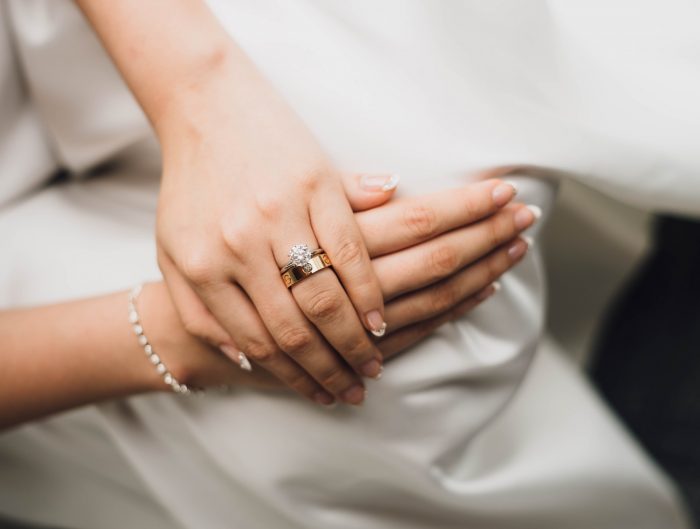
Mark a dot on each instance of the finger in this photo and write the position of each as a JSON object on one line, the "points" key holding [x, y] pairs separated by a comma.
{"points": [[416, 219], [409, 336], [194, 315], [336, 231], [442, 297], [323, 301], [251, 335], [326, 305], [294, 334], [442, 256], [365, 191]]}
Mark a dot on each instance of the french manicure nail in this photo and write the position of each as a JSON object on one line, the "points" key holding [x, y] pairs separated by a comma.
{"points": [[496, 285], [383, 182], [536, 210], [229, 351], [529, 241], [376, 323], [502, 194], [524, 218], [354, 395], [517, 249]]}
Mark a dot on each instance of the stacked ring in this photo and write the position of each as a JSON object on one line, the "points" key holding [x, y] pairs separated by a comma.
{"points": [[303, 263]]}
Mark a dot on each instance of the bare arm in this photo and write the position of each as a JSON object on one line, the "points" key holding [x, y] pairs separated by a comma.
{"points": [[61, 356]]}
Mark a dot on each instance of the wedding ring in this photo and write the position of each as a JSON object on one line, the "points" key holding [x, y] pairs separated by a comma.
{"points": [[303, 262]]}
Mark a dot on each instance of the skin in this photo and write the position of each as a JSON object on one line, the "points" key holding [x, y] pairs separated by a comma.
{"points": [[243, 180], [465, 239]]}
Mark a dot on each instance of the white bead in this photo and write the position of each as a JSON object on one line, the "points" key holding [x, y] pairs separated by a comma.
{"points": [[133, 316], [155, 359], [148, 349], [176, 387], [161, 368], [138, 330], [168, 378], [143, 340]]}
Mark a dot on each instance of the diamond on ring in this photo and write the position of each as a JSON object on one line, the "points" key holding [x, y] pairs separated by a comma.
{"points": [[300, 255]]}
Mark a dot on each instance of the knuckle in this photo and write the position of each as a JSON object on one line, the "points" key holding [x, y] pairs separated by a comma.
{"points": [[310, 180], [357, 350], [472, 204], [444, 260], [332, 376], [261, 352], [350, 252], [324, 305], [295, 340], [235, 234], [270, 207], [421, 220], [444, 297], [197, 267]]}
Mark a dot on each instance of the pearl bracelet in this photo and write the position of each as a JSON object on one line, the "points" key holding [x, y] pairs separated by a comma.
{"points": [[156, 360]]}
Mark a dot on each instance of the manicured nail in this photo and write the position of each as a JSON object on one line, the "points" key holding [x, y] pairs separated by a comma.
{"points": [[513, 185], [517, 249], [355, 395], [324, 398], [496, 286], [529, 241], [230, 351], [536, 210], [502, 194], [372, 369], [385, 182], [376, 323], [524, 218]]}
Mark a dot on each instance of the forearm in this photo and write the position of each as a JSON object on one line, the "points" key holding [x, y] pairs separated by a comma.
{"points": [[161, 65], [62, 356]]}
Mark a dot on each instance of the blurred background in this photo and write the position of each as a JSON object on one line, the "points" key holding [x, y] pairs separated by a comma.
{"points": [[623, 299]]}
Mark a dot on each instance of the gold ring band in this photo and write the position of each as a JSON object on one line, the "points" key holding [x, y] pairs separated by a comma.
{"points": [[291, 275]]}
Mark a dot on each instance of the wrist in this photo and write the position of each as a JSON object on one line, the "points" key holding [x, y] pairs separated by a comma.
{"points": [[166, 338]]}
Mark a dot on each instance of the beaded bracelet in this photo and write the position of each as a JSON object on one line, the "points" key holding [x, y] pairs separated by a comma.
{"points": [[156, 360]]}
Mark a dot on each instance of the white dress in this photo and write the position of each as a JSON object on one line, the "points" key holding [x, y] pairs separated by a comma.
{"points": [[465, 430]]}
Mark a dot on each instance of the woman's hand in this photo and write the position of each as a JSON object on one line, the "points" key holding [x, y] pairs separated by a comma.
{"points": [[243, 181], [439, 261]]}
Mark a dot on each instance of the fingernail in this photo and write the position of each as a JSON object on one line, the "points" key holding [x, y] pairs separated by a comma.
{"points": [[496, 286], [376, 323], [502, 194], [229, 351], [536, 210], [529, 241], [354, 395], [324, 398], [513, 185], [384, 182], [517, 249], [371, 369], [524, 218]]}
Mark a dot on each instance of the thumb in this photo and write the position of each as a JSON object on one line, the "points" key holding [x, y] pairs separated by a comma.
{"points": [[366, 191]]}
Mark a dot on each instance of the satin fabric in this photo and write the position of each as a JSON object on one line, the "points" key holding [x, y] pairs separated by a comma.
{"points": [[450, 437]]}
